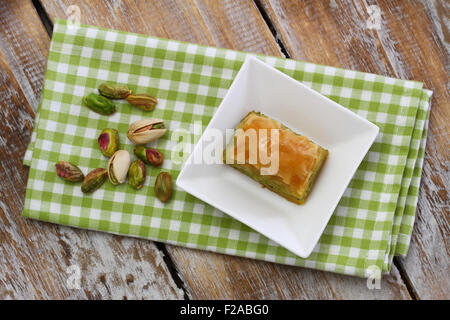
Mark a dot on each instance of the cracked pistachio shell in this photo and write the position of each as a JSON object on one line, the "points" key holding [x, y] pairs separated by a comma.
{"points": [[114, 91], [136, 174], [108, 140], [118, 166], [94, 180], [68, 171], [146, 130], [99, 104]]}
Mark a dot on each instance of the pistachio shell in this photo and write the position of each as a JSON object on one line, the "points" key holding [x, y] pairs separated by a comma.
{"points": [[143, 131], [118, 166]]}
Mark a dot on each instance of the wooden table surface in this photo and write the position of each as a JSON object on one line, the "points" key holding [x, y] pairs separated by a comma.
{"points": [[411, 43]]}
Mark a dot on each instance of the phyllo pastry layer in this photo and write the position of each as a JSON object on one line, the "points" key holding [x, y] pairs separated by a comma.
{"points": [[299, 159]]}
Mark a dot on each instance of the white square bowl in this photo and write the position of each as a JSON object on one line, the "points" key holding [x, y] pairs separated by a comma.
{"points": [[347, 137]]}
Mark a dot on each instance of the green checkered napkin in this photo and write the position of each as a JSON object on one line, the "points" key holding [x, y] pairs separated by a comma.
{"points": [[372, 223]]}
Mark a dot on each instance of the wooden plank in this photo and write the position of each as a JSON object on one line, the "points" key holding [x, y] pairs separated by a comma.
{"points": [[237, 25], [24, 48], [410, 44], [427, 264], [216, 276], [190, 21], [34, 256]]}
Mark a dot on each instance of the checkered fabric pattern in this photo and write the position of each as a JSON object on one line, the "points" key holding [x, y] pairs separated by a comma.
{"points": [[371, 224]]}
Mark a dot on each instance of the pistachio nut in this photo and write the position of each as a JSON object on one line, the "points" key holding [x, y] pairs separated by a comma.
{"points": [[142, 101], [94, 180], [136, 174], [68, 171], [149, 155], [118, 166], [114, 91], [163, 186], [99, 104], [146, 130], [108, 140]]}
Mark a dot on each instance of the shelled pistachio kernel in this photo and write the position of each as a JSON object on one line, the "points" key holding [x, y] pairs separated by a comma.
{"points": [[163, 186], [108, 140], [136, 174], [68, 171], [150, 156], [114, 91], [99, 104], [94, 180], [142, 101]]}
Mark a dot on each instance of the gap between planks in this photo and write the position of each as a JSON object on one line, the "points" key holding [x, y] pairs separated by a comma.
{"points": [[273, 29], [284, 49], [48, 25], [45, 19]]}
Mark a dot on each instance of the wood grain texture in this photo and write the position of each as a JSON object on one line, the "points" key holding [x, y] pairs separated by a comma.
{"points": [[236, 25], [191, 21], [427, 263], [34, 256], [412, 43], [216, 276], [24, 47]]}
